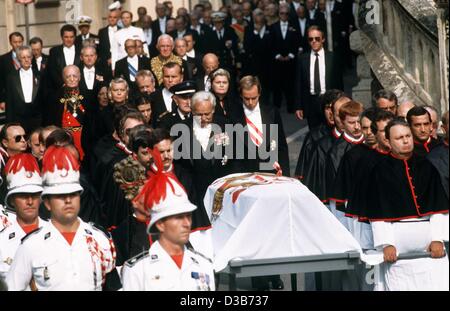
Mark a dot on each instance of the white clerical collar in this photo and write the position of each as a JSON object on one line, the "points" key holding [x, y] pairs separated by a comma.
{"points": [[351, 139], [336, 132], [249, 112]]}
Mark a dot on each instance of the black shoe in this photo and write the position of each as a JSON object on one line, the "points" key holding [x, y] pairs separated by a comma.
{"points": [[277, 284]]}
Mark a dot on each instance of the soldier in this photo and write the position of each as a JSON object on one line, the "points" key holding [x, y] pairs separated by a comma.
{"points": [[24, 191], [169, 264], [66, 254], [84, 26], [182, 94]]}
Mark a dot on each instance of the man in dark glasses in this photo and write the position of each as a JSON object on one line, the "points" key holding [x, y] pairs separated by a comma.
{"points": [[14, 139], [316, 73]]}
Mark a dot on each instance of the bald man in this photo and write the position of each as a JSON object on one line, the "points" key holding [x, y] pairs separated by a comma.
{"points": [[210, 63], [403, 109]]}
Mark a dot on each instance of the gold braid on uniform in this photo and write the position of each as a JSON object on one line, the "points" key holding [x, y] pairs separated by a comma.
{"points": [[157, 64], [130, 175]]}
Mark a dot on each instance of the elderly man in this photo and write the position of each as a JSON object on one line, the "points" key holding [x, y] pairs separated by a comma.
{"points": [[42, 258], [210, 63], [145, 81], [128, 67], [159, 24], [70, 110], [403, 109], [386, 100], [23, 104], [189, 63], [165, 47], [93, 78], [118, 50], [182, 94]]}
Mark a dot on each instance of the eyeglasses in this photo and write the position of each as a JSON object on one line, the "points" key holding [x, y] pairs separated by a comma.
{"points": [[311, 39], [19, 138]]}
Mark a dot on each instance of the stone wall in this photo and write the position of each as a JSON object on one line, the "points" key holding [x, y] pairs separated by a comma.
{"points": [[402, 49]]}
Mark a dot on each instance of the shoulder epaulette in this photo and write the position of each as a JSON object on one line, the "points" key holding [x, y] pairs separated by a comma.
{"points": [[30, 234], [200, 254], [162, 115], [132, 261], [101, 229]]}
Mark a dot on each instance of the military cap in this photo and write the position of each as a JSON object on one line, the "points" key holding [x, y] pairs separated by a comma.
{"points": [[184, 89], [115, 6], [84, 20], [218, 16]]}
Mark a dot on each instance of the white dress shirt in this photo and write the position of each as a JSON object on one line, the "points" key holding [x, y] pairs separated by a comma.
{"points": [[284, 28], [321, 71], [167, 96], [203, 134], [69, 55], [89, 77], [39, 62], [111, 33], [191, 53], [261, 32], [162, 24], [26, 80], [219, 33], [148, 33], [133, 61], [302, 23], [197, 28], [207, 83]]}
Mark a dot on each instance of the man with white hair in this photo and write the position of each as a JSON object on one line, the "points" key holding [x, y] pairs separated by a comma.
{"points": [[128, 32], [165, 47], [23, 96]]}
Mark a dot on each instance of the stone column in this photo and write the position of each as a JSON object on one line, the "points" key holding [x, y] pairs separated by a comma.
{"points": [[362, 91], [442, 21], [10, 19]]}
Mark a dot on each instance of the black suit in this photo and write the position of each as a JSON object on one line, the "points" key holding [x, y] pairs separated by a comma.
{"points": [[158, 105], [202, 39], [79, 40], [44, 63], [259, 58], [56, 64], [284, 71], [17, 110], [304, 99], [226, 55], [123, 71], [303, 39], [269, 116], [156, 29], [6, 67], [101, 79]]}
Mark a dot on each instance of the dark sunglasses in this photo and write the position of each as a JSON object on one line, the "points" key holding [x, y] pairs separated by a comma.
{"points": [[18, 138], [311, 39]]}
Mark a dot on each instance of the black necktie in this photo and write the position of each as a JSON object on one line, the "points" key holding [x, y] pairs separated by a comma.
{"points": [[316, 75]]}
